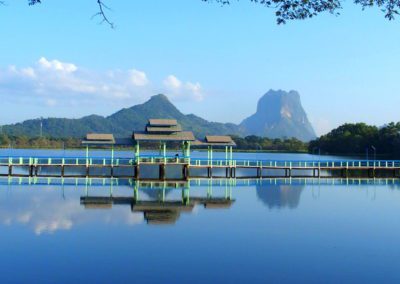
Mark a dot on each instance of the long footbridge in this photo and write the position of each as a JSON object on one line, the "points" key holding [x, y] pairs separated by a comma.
{"points": [[154, 167]]}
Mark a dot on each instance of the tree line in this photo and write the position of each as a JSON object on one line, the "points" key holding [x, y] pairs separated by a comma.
{"points": [[347, 139], [243, 143], [360, 139], [23, 141]]}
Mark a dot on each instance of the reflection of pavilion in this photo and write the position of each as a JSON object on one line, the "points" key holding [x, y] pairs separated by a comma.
{"points": [[160, 211]]}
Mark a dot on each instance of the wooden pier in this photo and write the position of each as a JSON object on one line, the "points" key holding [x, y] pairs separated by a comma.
{"points": [[189, 168]]}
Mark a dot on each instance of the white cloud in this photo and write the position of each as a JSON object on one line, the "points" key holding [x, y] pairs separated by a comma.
{"points": [[45, 214], [183, 91], [51, 102], [53, 226], [138, 78], [57, 83], [28, 72], [57, 65], [172, 83]]}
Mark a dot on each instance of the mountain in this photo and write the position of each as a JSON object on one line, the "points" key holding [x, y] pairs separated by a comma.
{"points": [[121, 123], [279, 114]]}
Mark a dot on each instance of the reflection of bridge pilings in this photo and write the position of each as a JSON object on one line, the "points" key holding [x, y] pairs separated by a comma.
{"points": [[160, 210]]}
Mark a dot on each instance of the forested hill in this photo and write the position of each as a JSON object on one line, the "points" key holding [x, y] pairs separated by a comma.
{"points": [[121, 123]]}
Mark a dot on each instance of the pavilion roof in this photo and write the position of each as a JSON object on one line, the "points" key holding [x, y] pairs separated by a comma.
{"points": [[175, 136], [213, 140], [162, 122], [157, 129], [101, 139], [218, 139]]}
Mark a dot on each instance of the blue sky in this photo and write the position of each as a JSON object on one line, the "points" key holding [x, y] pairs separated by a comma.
{"points": [[212, 61]]}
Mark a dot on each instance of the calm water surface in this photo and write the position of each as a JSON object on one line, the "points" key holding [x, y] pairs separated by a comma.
{"points": [[277, 231]]}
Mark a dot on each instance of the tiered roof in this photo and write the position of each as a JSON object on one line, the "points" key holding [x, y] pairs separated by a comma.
{"points": [[163, 130]]}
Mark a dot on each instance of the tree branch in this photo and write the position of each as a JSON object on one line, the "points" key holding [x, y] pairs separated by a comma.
{"points": [[102, 14]]}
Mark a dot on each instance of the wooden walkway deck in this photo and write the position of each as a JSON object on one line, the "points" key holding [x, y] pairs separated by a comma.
{"points": [[97, 167]]}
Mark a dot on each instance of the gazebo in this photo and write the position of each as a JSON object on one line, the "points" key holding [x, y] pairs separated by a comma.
{"points": [[219, 141], [105, 140], [99, 139]]}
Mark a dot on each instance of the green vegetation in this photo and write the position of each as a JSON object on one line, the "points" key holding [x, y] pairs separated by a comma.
{"points": [[355, 139], [348, 139], [246, 143], [266, 144], [38, 142]]}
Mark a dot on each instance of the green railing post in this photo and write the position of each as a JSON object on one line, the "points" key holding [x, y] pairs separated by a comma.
{"points": [[87, 155], [112, 155]]}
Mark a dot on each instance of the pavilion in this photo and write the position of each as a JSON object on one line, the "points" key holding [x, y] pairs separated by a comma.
{"points": [[220, 141], [161, 131], [105, 140]]}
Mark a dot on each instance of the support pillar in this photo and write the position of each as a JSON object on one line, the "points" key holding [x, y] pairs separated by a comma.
{"points": [[164, 149], [233, 172], [185, 172], [259, 172], [211, 155], [209, 172], [188, 149], [137, 149], [137, 171], [112, 155], [183, 149], [162, 172], [87, 155]]}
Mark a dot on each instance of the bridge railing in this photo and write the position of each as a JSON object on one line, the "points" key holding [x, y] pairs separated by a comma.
{"points": [[156, 159], [77, 161], [297, 163], [83, 161]]}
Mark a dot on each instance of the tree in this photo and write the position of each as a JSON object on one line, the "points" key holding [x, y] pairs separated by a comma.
{"points": [[4, 140], [286, 10]]}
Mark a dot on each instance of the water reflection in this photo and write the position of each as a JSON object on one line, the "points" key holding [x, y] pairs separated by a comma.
{"points": [[50, 205], [280, 196], [158, 210]]}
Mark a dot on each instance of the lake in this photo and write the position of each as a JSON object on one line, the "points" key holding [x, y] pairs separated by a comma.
{"points": [[274, 230]]}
